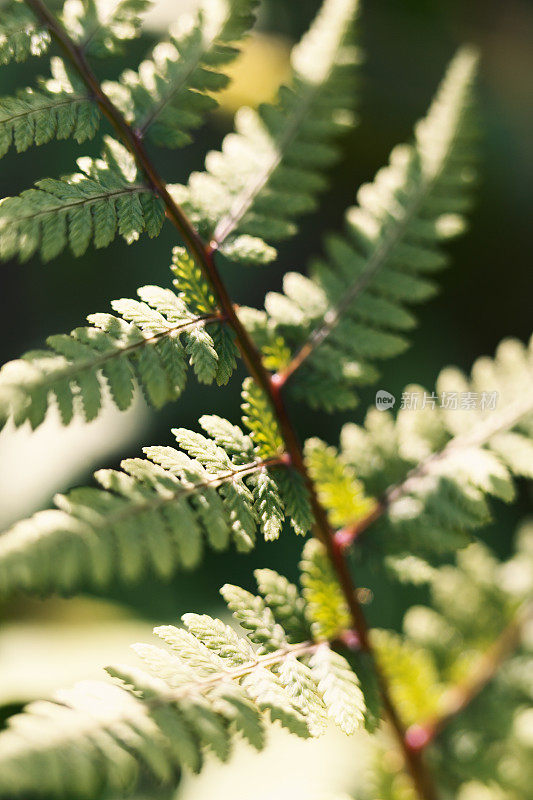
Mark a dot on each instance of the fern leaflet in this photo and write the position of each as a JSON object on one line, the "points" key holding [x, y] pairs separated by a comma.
{"points": [[155, 513], [434, 468], [209, 684], [351, 311], [100, 27], [60, 108], [149, 344], [21, 35], [266, 174], [104, 199], [172, 90]]}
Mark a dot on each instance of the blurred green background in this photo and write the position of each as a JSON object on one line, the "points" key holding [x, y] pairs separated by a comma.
{"points": [[485, 296]]}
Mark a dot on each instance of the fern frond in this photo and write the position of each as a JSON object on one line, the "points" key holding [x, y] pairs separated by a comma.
{"points": [[195, 696], [439, 462], [147, 345], [171, 92], [105, 199], [21, 35], [60, 108], [352, 310], [478, 614], [101, 27], [266, 174], [155, 514]]}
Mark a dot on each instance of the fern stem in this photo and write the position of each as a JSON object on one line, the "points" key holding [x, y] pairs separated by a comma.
{"points": [[454, 702], [479, 435], [204, 256]]}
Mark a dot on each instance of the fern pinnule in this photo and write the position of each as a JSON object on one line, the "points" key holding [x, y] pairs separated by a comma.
{"points": [[352, 310], [268, 172], [172, 90], [21, 35], [106, 198], [210, 685], [60, 108]]}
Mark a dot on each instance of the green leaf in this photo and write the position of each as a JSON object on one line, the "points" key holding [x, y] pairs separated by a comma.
{"points": [[268, 172], [60, 108], [94, 205], [326, 607], [352, 310], [21, 35], [100, 27], [172, 91], [438, 465], [340, 689], [268, 506], [148, 346], [259, 418], [339, 491]]}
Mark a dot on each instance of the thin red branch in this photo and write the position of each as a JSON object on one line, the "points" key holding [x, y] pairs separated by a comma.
{"points": [[479, 435], [204, 256], [421, 734]]}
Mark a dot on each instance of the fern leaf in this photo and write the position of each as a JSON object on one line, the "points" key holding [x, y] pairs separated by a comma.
{"points": [[60, 108], [144, 518], [338, 489], [339, 687], [255, 617], [207, 686], [259, 418], [101, 27], [171, 91], [156, 514], [411, 674], [21, 35], [266, 174], [351, 311], [268, 506], [147, 345], [326, 607], [447, 453], [104, 199], [285, 602], [295, 497]]}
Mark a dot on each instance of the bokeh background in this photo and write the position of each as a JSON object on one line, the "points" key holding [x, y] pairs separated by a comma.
{"points": [[485, 295]]}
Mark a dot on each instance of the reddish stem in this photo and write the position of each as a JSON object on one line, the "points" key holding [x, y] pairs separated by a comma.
{"points": [[420, 735]]}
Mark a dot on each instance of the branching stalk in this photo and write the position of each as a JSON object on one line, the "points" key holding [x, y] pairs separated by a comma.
{"points": [[420, 735], [478, 436]]}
